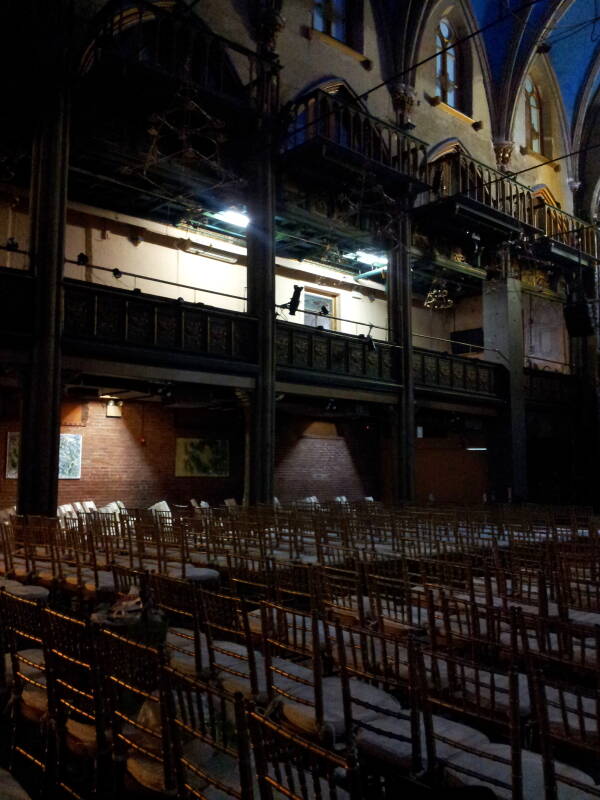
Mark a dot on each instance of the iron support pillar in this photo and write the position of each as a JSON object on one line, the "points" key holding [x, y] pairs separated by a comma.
{"points": [[40, 436], [399, 294]]}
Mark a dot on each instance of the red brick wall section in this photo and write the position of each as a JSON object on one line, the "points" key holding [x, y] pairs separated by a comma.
{"points": [[132, 458], [325, 465]]}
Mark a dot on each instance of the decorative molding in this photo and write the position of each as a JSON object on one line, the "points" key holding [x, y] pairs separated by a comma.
{"points": [[404, 99], [503, 151]]}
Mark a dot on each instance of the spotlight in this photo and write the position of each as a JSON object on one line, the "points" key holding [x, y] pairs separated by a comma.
{"points": [[544, 47], [371, 344], [12, 244], [117, 273], [82, 259], [233, 216], [324, 312]]}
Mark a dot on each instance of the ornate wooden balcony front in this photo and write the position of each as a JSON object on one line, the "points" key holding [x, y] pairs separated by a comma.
{"points": [[156, 38], [345, 359], [551, 388], [492, 198], [123, 325], [330, 137], [445, 373], [481, 192]]}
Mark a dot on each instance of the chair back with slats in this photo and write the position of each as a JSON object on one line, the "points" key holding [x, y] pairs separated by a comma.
{"points": [[179, 602], [224, 621], [76, 703], [478, 695], [22, 623], [130, 675], [568, 719], [207, 726], [290, 766]]}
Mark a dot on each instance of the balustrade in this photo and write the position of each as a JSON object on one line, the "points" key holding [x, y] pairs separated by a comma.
{"points": [[323, 116]]}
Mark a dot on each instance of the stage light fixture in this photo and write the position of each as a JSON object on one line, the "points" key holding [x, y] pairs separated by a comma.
{"points": [[232, 216], [294, 302]]}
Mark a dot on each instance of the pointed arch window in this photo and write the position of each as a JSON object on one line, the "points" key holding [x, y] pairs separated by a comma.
{"points": [[447, 65], [331, 17], [533, 116]]}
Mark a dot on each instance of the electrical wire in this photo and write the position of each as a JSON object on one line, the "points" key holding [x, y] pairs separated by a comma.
{"points": [[421, 63]]}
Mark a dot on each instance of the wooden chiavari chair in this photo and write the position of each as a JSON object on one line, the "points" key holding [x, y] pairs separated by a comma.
{"points": [[76, 706], [568, 719], [29, 739], [290, 766], [231, 655], [185, 646], [209, 738], [137, 708]]}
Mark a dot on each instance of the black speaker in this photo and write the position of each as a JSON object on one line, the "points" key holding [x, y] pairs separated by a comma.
{"points": [[577, 319]]}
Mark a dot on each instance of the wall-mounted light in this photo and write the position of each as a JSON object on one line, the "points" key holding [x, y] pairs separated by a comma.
{"points": [[114, 407], [218, 255], [476, 449]]}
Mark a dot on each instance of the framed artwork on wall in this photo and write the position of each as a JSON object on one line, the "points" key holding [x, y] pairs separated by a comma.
{"points": [[13, 442], [69, 455], [201, 458]]}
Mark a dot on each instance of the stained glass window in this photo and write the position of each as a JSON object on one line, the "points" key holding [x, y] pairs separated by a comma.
{"points": [[447, 64]]}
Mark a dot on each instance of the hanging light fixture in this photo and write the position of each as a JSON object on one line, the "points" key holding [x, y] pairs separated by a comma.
{"points": [[438, 298]]}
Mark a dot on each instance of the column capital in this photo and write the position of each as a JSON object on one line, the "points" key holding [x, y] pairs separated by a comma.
{"points": [[404, 100], [270, 23], [504, 151]]}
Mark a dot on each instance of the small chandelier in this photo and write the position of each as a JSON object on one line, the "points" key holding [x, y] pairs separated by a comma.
{"points": [[437, 297]]}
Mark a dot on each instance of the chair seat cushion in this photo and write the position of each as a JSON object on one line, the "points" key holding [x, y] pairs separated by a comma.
{"points": [[499, 696], [303, 716], [10, 789], [30, 670], [378, 739], [150, 773], [192, 573], [533, 773], [31, 592], [81, 738], [34, 704]]}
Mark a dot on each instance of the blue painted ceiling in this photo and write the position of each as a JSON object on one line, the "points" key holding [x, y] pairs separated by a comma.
{"points": [[571, 27]]}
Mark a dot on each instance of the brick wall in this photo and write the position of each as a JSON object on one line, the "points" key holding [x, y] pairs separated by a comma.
{"points": [[325, 459], [132, 458]]}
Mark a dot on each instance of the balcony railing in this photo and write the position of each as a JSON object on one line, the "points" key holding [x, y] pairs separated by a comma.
{"points": [[462, 176], [443, 372], [154, 36], [306, 348], [458, 175], [123, 319], [568, 230], [326, 118], [554, 388]]}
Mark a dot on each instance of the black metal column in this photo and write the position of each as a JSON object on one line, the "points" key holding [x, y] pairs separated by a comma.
{"points": [[399, 293], [38, 466], [261, 287]]}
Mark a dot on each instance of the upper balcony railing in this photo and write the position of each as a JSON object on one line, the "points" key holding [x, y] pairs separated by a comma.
{"points": [[568, 230], [121, 323], [458, 175], [321, 116], [154, 36]]}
